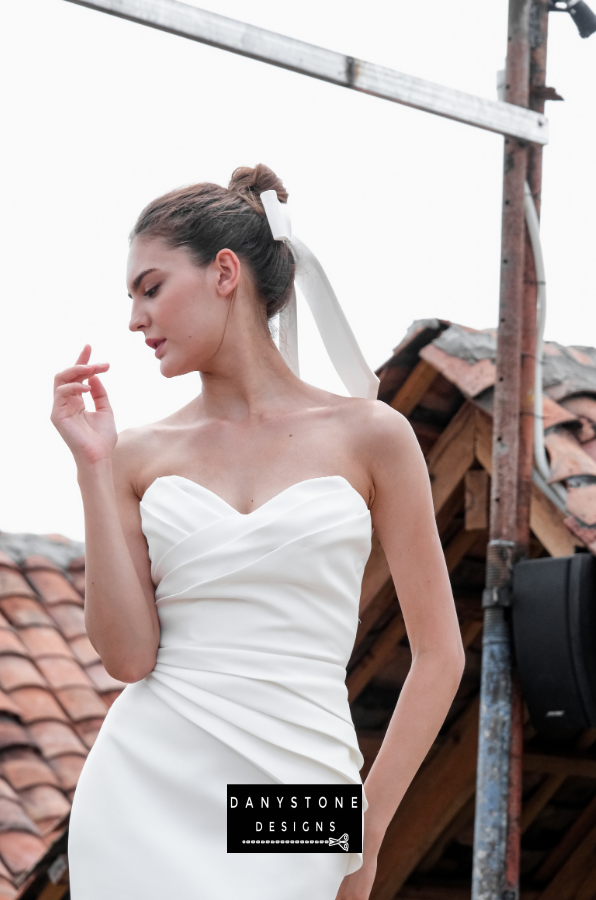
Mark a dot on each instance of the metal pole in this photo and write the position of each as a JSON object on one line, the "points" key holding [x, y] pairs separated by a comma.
{"points": [[538, 34], [317, 62], [492, 787]]}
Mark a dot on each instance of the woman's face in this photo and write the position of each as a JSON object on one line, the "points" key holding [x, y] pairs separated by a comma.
{"points": [[179, 307]]}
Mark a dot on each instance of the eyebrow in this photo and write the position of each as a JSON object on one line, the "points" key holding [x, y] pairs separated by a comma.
{"points": [[140, 277]]}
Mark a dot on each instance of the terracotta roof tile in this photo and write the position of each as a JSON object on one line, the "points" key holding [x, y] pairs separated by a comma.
{"points": [[70, 619], [567, 456], [27, 769], [20, 851], [5, 560], [10, 643], [7, 892], [68, 768], [77, 564], [40, 641], [53, 587], [77, 576], [109, 696], [7, 705], [13, 735], [89, 729], [4, 873], [84, 650], [81, 703], [23, 611], [36, 561], [5, 788], [14, 818], [17, 671], [56, 738], [12, 583], [55, 698], [60, 672], [45, 802], [102, 680], [36, 703], [470, 377]]}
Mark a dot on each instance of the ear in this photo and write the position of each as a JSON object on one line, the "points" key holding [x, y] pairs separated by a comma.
{"points": [[227, 272]]}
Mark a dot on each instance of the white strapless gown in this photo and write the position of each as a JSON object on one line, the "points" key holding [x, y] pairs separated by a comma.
{"points": [[258, 617]]}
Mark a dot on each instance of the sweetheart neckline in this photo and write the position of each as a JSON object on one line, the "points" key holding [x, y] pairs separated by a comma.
{"points": [[263, 505]]}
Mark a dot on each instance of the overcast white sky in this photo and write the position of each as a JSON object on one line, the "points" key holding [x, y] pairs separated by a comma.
{"points": [[100, 115]]}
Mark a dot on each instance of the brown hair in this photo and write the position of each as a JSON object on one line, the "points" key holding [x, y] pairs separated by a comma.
{"points": [[207, 218]]}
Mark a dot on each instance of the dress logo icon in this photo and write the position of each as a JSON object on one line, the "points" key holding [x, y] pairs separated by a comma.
{"points": [[294, 818]]}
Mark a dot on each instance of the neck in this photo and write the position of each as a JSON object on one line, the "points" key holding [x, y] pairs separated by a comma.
{"points": [[247, 375]]}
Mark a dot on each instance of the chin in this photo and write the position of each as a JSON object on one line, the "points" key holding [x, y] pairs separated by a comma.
{"points": [[171, 369]]}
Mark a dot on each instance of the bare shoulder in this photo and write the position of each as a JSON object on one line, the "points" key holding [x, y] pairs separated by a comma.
{"points": [[376, 427], [134, 449]]}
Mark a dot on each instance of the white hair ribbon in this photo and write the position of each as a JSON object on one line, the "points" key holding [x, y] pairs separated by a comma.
{"points": [[337, 336]]}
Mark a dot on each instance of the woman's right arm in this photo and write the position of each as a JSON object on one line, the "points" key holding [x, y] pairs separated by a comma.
{"points": [[120, 612]]}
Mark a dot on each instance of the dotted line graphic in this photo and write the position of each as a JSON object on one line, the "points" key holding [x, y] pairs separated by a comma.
{"points": [[286, 842]]}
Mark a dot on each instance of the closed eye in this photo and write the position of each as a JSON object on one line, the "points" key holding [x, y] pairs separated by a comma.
{"points": [[150, 292]]}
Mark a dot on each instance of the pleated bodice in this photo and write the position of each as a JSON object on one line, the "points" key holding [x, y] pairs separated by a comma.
{"points": [[258, 617]]}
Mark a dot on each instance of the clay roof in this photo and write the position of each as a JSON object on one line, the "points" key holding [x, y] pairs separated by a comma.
{"points": [[465, 358], [54, 695]]}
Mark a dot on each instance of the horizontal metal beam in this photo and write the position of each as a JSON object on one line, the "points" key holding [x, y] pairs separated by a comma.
{"points": [[327, 65]]}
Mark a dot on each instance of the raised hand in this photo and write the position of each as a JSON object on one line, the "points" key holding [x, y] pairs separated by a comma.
{"points": [[90, 435]]}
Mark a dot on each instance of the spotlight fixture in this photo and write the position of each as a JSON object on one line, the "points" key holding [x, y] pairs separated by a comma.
{"points": [[579, 11]]}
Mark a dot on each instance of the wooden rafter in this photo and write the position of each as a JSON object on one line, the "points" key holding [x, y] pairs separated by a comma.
{"points": [[551, 784], [559, 855], [414, 388], [570, 877], [451, 456], [570, 766], [546, 521]]}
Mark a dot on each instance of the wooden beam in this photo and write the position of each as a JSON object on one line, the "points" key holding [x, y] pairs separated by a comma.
{"points": [[439, 791], [546, 520], [53, 891], [547, 523], [551, 784], [376, 657], [569, 766], [476, 500], [452, 506], [458, 546], [587, 890], [432, 892], [570, 877], [376, 574], [574, 835], [451, 456], [541, 796], [463, 818], [373, 612], [445, 892], [414, 388]]}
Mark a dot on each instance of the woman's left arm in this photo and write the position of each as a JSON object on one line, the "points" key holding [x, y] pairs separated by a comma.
{"points": [[404, 521]]}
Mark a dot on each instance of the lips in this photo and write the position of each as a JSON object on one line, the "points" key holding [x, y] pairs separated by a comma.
{"points": [[155, 344]]}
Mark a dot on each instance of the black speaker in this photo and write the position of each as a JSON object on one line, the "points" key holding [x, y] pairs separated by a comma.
{"points": [[554, 633]]}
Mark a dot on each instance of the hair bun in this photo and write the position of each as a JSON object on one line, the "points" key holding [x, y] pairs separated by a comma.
{"points": [[250, 183]]}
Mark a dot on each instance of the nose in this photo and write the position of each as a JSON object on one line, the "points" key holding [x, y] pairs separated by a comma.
{"points": [[138, 317]]}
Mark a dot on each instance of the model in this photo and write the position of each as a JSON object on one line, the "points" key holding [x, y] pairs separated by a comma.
{"points": [[225, 547]]}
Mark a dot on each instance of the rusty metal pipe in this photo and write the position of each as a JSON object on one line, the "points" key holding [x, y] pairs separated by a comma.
{"points": [[491, 877]]}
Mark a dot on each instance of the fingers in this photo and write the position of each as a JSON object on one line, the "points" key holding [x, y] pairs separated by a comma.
{"points": [[99, 395], [84, 355], [65, 391], [79, 373]]}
